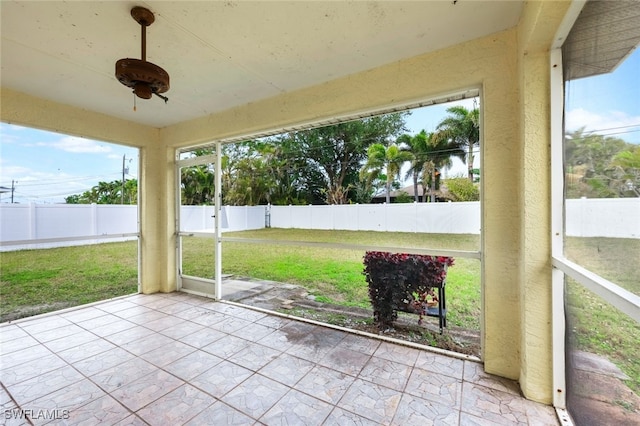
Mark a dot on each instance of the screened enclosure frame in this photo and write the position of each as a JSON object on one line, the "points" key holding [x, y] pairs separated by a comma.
{"points": [[621, 299]]}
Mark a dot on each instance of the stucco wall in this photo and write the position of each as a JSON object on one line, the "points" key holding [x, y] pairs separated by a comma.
{"points": [[536, 33]]}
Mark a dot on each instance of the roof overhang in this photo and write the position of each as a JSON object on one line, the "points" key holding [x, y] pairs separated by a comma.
{"points": [[605, 33]]}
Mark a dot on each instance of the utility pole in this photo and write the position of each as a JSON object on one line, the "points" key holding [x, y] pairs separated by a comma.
{"points": [[122, 193], [125, 170]]}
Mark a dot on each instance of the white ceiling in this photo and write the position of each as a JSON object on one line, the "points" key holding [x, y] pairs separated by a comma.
{"points": [[222, 54]]}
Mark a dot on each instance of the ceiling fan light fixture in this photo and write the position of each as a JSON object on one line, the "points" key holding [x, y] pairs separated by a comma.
{"points": [[145, 78]]}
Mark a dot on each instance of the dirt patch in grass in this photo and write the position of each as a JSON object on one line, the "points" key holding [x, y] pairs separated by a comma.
{"points": [[28, 311], [296, 301]]}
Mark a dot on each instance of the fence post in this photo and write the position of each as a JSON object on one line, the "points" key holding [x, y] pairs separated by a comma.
{"points": [[332, 209], [386, 214], [94, 219], [33, 230]]}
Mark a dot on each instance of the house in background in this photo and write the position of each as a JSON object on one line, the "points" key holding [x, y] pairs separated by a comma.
{"points": [[407, 191]]}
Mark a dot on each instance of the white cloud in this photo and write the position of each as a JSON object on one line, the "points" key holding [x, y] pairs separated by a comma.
{"points": [[14, 170], [609, 123], [79, 145]]}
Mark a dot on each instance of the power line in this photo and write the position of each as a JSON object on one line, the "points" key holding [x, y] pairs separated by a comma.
{"points": [[40, 182], [613, 128]]}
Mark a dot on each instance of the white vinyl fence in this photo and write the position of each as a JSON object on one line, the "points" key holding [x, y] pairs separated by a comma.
{"points": [[603, 217], [234, 218], [25, 222], [22, 223], [441, 218]]}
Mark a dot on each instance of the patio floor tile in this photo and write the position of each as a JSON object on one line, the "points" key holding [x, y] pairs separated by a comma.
{"points": [[442, 364], [375, 402], [182, 359], [122, 374], [221, 378], [387, 373], [220, 413], [415, 411], [28, 370], [435, 387], [326, 384], [146, 389], [342, 417], [192, 365], [104, 410], [66, 400], [39, 386], [297, 408], [255, 396], [176, 407], [286, 369], [491, 404], [167, 354], [103, 361]]}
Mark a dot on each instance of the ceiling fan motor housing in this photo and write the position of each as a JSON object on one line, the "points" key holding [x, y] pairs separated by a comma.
{"points": [[145, 78]]}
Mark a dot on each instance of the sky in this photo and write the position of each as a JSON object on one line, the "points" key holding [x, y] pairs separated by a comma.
{"points": [[45, 167]]}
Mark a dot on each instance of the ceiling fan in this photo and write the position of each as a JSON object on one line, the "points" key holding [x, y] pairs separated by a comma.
{"points": [[145, 78]]}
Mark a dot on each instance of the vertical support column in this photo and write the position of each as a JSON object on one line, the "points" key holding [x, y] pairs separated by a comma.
{"points": [[178, 222], [138, 229], [217, 221], [536, 288], [501, 216], [537, 36], [557, 228], [157, 225]]}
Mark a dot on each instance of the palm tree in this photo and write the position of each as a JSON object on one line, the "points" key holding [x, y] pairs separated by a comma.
{"points": [[462, 127], [416, 145], [381, 159], [440, 149], [197, 185], [431, 152]]}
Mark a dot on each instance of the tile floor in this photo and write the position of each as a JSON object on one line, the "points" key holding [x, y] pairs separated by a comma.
{"points": [[177, 359]]}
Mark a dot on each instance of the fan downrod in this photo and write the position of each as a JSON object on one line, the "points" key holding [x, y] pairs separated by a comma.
{"points": [[145, 78]]}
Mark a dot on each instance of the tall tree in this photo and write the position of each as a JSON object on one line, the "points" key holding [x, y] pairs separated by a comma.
{"points": [[463, 127], [440, 150], [387, 160], [628, 162], [197, 185], [107, 193], [338, 151], [600, 166], [431, 153], [417, 145]]}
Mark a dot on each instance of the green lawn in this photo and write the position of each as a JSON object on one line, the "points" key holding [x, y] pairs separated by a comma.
{"points": [[36, 281], [335, 275], [593, 325]]}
